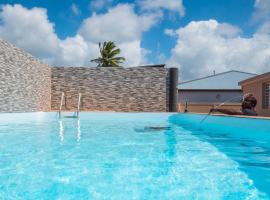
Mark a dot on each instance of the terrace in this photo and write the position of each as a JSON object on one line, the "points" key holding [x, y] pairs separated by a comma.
{"points": [[138, 147]]}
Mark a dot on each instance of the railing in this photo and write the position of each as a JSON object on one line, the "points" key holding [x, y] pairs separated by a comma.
{"points": [[76, 113], [61, 104], [79, 103]]}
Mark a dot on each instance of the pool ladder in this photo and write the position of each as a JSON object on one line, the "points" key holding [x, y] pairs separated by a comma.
{"points": [[76, 113], [78, 105], [61, 104]]}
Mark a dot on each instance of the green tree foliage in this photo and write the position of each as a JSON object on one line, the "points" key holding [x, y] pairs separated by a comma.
{"points": [[109, 55]]}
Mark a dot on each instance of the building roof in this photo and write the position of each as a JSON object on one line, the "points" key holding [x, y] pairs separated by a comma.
{"points": [[222, 81], [157, 65], [255, 78]]}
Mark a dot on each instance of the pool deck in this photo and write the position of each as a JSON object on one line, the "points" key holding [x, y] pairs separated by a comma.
{"points": [[238, 116], [216, 114]]}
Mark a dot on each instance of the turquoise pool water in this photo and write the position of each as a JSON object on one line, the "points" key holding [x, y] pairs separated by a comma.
{"points": [[119, 156]]}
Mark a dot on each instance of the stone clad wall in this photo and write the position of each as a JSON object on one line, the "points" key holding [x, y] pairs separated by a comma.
{"points": [[111, 89], [25, 83], [28, 85]]}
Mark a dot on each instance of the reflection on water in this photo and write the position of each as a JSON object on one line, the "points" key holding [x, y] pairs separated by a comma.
{"points": [[170, 150], [251, 153], [78, 130], [171, 142], [61, 131]]}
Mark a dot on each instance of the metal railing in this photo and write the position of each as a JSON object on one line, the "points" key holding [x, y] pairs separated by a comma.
{"points": [[78, 105], [76, 113], [61, 104]]}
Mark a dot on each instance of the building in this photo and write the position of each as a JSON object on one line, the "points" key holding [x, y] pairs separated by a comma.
{"points": [[259, 86], [203, 93]]}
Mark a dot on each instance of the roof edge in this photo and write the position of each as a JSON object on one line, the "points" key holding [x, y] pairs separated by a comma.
{"points": [[252, 79], [218, 74]]}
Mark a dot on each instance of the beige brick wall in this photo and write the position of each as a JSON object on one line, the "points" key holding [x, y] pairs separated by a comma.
{"points": [[256, 88], [24, 81], [111, 89]]}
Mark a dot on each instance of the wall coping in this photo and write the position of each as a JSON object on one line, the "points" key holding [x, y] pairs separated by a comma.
{"points": [[210, 90], [121, 67], [237, 116], [210, 104]]}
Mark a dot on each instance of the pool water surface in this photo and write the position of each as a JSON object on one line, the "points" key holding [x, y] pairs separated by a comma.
{"points": [[133, 156]]}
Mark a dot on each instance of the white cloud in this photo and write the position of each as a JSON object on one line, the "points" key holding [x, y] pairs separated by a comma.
{"points": [[123, 26], [261, 16], [74, 52], [119, 24], [31, 30], [204, 46], [100, 4], [262, 10], [170, 5], [75, 9], [134, 53], [170, 32]]}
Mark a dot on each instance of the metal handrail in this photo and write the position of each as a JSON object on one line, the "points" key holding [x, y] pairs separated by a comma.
{"points": [[61, 103], [79, 103]]}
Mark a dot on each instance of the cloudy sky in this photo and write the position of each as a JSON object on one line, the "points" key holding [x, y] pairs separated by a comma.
{"points": [[198, 36]]}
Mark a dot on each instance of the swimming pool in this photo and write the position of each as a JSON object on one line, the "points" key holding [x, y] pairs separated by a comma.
{"points": [[123, 156]]}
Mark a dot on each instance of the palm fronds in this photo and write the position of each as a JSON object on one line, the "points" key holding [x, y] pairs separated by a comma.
{"points": [[108, 55]]}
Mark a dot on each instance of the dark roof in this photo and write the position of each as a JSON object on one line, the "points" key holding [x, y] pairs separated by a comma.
{"points": [[159, 65]]}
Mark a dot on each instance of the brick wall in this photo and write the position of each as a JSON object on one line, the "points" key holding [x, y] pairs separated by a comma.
{"points": [[26, 85], [111, 89], [24, 81], [256, 88]]}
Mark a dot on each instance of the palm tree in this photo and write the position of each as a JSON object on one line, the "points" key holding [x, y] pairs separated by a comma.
{"points": [[108, 55]]}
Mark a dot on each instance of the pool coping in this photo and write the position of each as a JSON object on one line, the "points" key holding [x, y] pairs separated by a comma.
{"points": [[96, 111], [237, 116]]}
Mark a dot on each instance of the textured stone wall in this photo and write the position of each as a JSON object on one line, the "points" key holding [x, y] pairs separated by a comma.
{"points": [[25, 83], [111, 89]]}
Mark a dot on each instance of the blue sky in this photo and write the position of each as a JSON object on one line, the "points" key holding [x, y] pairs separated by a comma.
{"points": [[198, 36]]}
